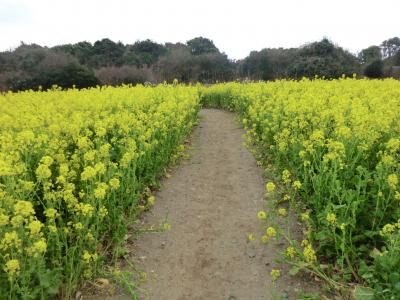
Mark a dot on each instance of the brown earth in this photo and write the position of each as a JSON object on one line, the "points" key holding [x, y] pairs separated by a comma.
{"points": [[211, 201]]}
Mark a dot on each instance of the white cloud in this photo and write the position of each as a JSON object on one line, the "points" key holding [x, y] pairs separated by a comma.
{"points": [[237, 27]]}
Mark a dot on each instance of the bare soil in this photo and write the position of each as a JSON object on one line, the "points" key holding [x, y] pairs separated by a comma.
{"points": [[211, 201]]}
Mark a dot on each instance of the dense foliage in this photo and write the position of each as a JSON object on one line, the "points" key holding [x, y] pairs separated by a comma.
{"points": [[198, 60], [337, 145], [73, 165]]}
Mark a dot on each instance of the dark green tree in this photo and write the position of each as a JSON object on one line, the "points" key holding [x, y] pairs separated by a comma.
{"points": [[370, 54], [201, 45], [374, 69]]}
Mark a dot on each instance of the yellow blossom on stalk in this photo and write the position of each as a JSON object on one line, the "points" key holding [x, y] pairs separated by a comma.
{"points": [[309, 254], [103, 211], [51, 213], [88, 173], [282, 212], [52, 228], [35, 227], [4, 219], [305, 217], [270, 187], [85, 209], [114, 183], [100, 168], [265, 239], [12, 268], [290, 252], [271, 232], [166, 226], [397, 195], [10, 239], [261, 215], [296, 185], [90, 237], [286, 176], [47, 160], [392, 181], [331, 218], [78, 226], [387, 229], [17, 220], [304, 243], [100, 191], [275, 274], [89, 156], [250, 237], [151, 199], [38, 247], [286, 197], [43, 172], [24, 208], [86, 257]]}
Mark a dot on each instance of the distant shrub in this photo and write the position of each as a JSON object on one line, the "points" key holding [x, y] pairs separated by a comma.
{"points": [[123, 75], [374, 69]]}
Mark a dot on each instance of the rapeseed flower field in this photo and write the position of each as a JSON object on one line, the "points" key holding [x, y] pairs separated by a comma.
{"points": [[73, 164], [336, 147]]}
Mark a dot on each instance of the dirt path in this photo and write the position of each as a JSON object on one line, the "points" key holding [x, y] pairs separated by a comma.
{"points": [[211, 201]]}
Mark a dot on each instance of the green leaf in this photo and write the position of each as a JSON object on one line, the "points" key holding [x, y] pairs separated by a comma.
{"points": [[294, 270], [363, 293]]}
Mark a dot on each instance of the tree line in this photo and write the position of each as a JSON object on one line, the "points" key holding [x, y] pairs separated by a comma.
{"points": [[198, 60]]}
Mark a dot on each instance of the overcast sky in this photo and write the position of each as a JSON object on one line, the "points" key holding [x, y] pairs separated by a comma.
{"points": [[236, 27]]}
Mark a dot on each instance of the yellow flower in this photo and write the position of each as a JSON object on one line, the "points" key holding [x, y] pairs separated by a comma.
{"points": [[286, 176], [265, 239], [387, 229], [296, 185], [282, 212], [166, 226], [86, 257], [89, 156], [262, 215], [250, 237], [100, 191], [3, 219], [12, 267], [304, 243], [392, 181], [305, 217], [10, 239], [290, 252], [275, 274], [88, 173], [151, 200], [23, 208], [47, 160], [35, 227], [38, 247], [270, 187], [331, 218], [271, 232], [78, 226], [309, 254], [103, 211], [114, 183], [52, 228], [100, 168], [51, 213], [43, 172]]}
